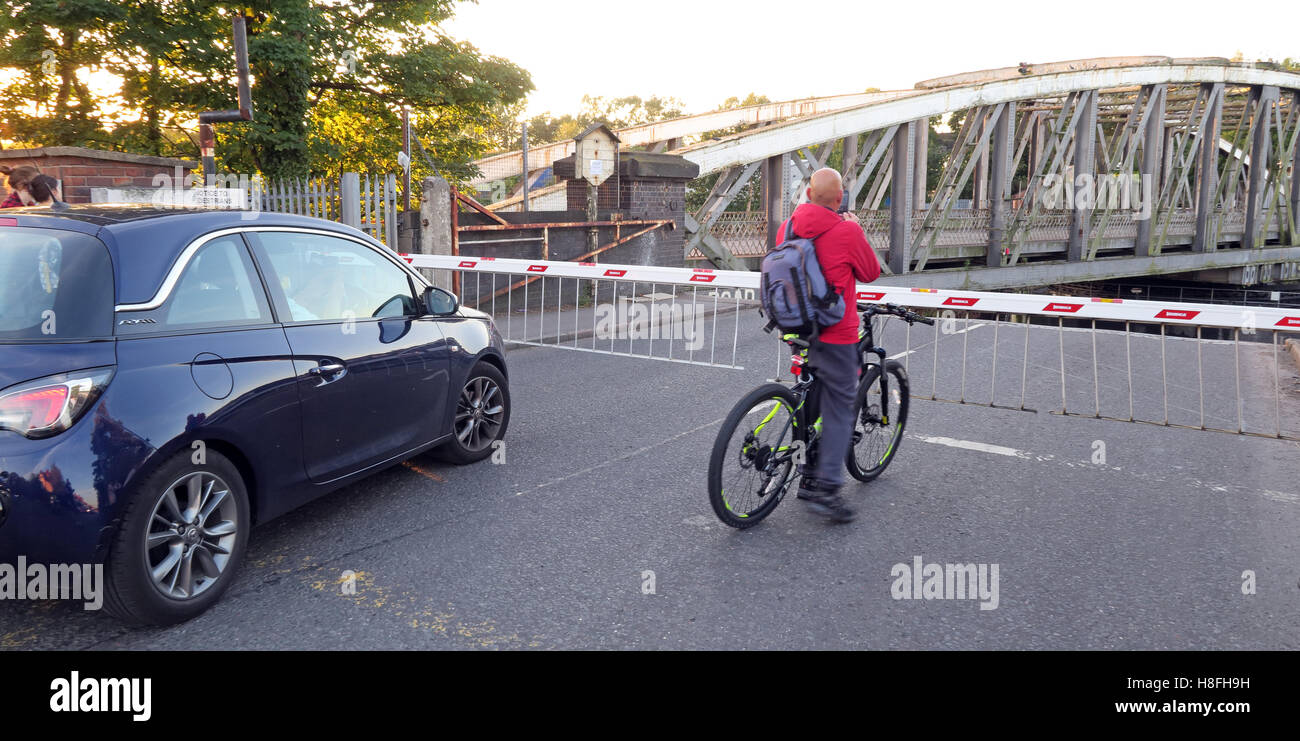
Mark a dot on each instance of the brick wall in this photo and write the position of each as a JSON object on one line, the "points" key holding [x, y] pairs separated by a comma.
{"points": [[645, 187], [607, 195], [79, 169]]}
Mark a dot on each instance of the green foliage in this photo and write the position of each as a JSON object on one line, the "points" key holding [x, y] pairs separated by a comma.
{"points": [[45, 42], [504, 127], [330, 81]]}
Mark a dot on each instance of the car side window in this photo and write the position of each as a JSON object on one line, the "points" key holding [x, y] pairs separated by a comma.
{"points": [[219, 287], [331, 279]]}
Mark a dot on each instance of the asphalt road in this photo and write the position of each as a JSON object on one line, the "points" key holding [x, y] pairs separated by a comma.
{"points": [[603, 483]]}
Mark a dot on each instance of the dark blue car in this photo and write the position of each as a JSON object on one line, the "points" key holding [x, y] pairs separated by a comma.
{"points": [[169, 379]]}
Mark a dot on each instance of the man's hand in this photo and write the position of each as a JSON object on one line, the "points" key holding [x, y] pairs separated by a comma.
{"points": [[850, 216]]}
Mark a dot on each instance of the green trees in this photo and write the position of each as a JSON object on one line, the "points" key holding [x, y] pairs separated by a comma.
{"points": [[329, 81], [543, 128], [44, 44]]}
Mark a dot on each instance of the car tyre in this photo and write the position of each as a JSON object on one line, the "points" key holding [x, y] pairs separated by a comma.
{"points": [[181, 541], [480, 416]]}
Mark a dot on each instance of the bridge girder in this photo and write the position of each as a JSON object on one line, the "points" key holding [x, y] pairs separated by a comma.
{"points": [[1159, 122]]}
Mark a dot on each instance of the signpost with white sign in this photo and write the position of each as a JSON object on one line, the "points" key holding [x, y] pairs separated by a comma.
{"points": [[596, 158]]}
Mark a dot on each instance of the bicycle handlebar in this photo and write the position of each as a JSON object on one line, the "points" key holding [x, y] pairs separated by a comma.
{"points": [[901, 312]]}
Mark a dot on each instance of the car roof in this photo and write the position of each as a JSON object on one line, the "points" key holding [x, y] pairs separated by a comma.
{"points": [[144, 241]]}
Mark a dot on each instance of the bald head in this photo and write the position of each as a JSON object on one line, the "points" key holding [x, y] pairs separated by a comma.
{"points": [[825, 188]]}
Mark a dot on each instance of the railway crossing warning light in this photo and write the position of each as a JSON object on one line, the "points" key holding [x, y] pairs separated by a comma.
{"points": [[596, 153]]}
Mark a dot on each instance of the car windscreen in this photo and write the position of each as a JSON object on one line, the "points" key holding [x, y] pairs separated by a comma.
{"points": [[54, 285]]}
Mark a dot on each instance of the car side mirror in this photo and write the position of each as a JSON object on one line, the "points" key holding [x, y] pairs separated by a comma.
{"points": [[439, 302]]}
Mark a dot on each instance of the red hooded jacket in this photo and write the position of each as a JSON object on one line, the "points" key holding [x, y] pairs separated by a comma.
{"points": [[845, 257]]}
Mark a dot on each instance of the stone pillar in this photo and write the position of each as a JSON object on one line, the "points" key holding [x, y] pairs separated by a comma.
{"points": [[435, 227]]}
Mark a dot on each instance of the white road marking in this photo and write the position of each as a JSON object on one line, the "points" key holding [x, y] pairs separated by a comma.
{"points": [[960, 331], [1192, 483], [1281, 496], [972, 445]]}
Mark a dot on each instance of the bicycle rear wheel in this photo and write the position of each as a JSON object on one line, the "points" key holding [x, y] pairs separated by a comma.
{"points": [[879, 416], [753, 457]]}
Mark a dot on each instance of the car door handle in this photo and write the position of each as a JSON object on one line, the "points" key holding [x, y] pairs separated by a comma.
{"points": [[328, 372]]}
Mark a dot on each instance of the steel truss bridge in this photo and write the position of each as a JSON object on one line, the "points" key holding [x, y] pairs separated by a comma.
{"points": [[1120, 167]]}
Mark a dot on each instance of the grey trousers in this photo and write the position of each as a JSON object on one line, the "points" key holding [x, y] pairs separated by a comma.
{"points": [[836, 371]]}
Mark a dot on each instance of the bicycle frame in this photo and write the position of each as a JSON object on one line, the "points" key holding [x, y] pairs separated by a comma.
{"points": [[866, 348], [803, 389]]}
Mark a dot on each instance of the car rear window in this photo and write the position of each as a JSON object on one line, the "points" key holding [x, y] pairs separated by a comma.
{"points": [[54, 285]]}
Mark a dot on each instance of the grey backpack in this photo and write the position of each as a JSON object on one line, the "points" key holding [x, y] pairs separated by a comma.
{"points": [[795, 294]]}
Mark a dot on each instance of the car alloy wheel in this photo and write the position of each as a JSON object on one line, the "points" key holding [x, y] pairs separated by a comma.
{"points": [[191, 533], [479, 414]]}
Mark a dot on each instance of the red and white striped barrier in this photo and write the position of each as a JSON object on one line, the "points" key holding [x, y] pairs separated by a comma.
{"points": [[1108, 309]]}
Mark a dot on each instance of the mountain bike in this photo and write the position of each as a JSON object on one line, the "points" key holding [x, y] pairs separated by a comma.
{"points": [[770, 437]]}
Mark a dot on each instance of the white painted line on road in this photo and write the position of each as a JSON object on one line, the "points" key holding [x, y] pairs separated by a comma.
{"points": [[972, 445], [960, 331], [1281, 496], [1276, 496]]}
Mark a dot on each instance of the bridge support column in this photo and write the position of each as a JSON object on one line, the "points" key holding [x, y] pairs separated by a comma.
{"points": [[850, 156], [1004, 131], [900, 199], [921, 152], [1295, 175], [1167, 165], [1208, 175], [773, 188], [980, 186], [1153, 143], [1085, 166], [1259, 167], [1034, 146]]}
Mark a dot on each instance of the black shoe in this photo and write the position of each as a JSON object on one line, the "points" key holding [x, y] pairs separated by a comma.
{"points": [[806, 484], [825, 500]]}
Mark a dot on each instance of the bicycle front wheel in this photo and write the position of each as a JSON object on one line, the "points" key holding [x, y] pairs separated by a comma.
{"points": [[754, 456], [879, 416]]}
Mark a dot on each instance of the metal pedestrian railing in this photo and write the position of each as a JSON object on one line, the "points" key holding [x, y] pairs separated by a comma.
{"points": [[1203, 366]]}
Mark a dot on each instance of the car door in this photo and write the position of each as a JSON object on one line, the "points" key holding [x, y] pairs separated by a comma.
{"points": [[372, 371], [209, 361]]}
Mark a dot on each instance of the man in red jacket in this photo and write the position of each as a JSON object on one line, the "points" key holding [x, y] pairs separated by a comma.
{"points": [[845, 258]]}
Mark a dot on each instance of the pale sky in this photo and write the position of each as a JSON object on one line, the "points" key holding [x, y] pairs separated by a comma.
{"points": [[704, 51]]}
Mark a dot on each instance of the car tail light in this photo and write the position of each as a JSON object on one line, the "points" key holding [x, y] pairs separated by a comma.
{"points": [[50, 405]]}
